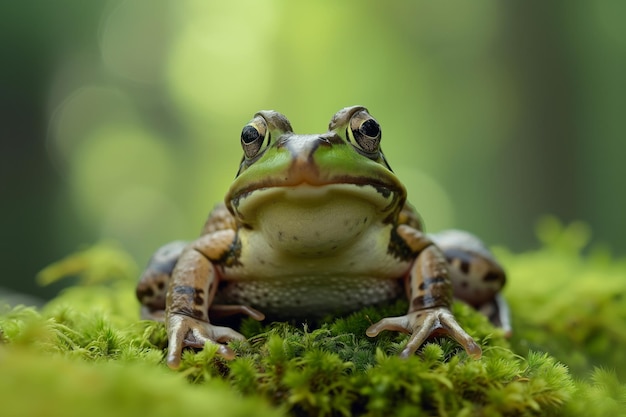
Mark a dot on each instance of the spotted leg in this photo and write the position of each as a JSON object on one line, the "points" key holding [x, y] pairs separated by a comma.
{"points": [[430, 294], [191, 292]]}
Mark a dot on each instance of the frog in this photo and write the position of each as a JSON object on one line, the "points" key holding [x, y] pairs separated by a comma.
{"points": [[312, 225]]}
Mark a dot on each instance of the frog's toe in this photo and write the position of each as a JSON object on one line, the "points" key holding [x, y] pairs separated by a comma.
{"points": [[393, 324], [424, 326], [450, 327], [185, 331]]}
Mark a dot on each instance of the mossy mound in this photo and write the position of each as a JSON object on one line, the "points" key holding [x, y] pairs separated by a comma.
{"points": [[87, 353]]}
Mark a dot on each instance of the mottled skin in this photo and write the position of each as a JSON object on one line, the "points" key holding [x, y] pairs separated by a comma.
{"points": [[317, 224]]}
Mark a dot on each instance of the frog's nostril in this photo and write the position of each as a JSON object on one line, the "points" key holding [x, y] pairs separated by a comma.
{"points": [[324, 141], [329, 139]]}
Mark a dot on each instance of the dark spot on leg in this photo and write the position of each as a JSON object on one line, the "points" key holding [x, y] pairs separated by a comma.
{"points": [[161, 285], [464, 284], [431, 281], [430, 300], [184, 289], [198, 299], [197, 313], [492, 276], [147, 292], [465, 266], [422, 301]]}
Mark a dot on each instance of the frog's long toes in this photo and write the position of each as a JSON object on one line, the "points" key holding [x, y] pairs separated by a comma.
{"points": [[226, 352], [453, 329], [217, 335], [394, 324], [473, 350], [185, 331], [225, 334], [425, 327], [174, 352], [173, 361], [424, 324]]}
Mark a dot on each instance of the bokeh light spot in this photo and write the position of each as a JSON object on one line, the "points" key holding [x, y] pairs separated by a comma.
{"points": [[87, 109], [133, 39], [114, 159], [219, 63]]}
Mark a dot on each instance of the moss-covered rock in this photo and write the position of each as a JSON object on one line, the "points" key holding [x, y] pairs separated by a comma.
{"points": [[87, 352]]}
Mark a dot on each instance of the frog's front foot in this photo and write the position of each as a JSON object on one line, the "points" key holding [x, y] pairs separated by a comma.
{"points": [[185, 331], [422, 324]]}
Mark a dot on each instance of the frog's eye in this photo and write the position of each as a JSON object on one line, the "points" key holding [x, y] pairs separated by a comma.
{"points": [[252, 137], [366, 132]]}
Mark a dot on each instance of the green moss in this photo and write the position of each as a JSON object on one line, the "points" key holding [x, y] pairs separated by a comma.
{"points": [[87, 352], [570, 305]]}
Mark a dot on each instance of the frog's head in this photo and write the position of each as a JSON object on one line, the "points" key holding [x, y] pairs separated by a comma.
{"points": [[342, 172]]}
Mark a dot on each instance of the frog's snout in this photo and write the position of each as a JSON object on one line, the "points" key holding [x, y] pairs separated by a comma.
{"points": [[304, 146]]}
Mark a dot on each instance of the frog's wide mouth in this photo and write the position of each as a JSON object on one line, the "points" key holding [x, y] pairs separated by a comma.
{"points": [[384, 188], [244, 203]]}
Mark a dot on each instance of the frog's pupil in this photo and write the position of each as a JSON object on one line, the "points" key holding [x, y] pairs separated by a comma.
{"points": [[249, 135], [370, 128]]}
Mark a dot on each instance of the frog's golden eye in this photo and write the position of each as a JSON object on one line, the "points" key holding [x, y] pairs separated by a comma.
{"points": [[252, 137], [366, 132]]}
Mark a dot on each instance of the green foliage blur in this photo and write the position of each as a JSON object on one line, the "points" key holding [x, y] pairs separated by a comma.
{"points": [[121, 119]]}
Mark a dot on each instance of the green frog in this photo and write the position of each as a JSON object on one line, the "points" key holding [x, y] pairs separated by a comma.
{"points": [[311, 225]]}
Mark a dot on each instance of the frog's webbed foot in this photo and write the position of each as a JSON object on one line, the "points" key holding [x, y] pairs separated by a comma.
{"points": [[185, 331], [422, 324]]}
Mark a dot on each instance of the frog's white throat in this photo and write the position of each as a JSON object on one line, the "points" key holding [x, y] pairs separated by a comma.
{"points": [[308, 220]]}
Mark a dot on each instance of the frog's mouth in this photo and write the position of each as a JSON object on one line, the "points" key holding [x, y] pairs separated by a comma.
{"points": [[316, 202]]}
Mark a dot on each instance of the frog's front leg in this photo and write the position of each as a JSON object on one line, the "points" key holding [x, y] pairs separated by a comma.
{"points": [[192, 289], [430, 295]]}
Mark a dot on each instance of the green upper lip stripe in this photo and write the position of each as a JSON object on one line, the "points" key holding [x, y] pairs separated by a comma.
{"points": [[343, 179]]}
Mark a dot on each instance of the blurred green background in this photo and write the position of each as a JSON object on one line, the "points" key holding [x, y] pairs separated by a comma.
{"points": [[121, 119]]}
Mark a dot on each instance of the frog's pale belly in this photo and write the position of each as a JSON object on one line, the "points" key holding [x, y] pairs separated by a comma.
{"points": [[310, 295], [337, 279]]}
